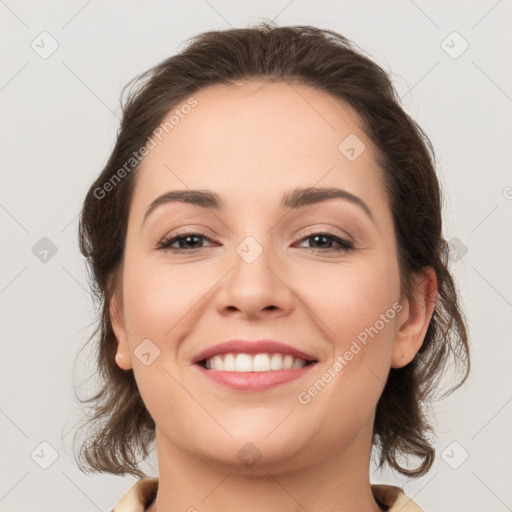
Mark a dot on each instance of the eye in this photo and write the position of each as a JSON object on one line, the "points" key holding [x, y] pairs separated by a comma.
{"points": [[326, 238], [188, 242]]}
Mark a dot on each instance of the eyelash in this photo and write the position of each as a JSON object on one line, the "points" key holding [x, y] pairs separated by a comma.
{"points": [[165, 244]]}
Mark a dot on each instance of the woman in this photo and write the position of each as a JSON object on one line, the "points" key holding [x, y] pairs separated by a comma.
{"points": [[266, 244]]}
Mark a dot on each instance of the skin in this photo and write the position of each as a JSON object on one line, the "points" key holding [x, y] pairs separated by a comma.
{"points": [[250, 143]]}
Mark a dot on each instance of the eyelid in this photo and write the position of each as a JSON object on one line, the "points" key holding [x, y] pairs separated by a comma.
{"points": [[331, 230], [182, 234], [345, 243]]}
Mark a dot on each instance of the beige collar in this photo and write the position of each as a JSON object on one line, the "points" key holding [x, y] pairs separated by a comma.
{"points": [[142, 493]]}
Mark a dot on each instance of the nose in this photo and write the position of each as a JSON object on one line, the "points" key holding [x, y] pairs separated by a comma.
{"points": [[256, 287]]}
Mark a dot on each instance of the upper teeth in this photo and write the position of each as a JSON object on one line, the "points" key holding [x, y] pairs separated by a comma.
{"points": [[253, 362]]}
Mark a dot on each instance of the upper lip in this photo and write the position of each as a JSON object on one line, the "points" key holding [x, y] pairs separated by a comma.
{"points": [[252, 347]]}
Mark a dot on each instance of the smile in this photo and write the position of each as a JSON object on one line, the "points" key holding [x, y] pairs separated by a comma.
{"points": [[261, 362]]}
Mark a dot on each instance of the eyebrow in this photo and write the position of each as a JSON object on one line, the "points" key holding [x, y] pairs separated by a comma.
{"points": [[293, 199]]}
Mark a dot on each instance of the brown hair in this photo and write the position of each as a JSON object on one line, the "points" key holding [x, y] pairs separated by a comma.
{"points": [[122, 428]]}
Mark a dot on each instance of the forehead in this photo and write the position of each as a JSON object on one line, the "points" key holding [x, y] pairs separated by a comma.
{"points": [[253, 140]]}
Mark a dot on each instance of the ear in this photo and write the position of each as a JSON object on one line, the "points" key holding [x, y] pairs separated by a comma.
{"points": [[123, 354], [415, 318]]}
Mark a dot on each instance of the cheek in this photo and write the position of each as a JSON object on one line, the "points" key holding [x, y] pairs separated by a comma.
{"points": [[159, 303], [352, 298], [357, 312], [358, 309], [158, 297]]}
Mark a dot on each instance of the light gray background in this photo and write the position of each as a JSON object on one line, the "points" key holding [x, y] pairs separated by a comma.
{"points": [[59, 119]]}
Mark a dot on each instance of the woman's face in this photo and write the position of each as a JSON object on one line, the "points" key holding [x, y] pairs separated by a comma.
{"points": [[253, 269]]}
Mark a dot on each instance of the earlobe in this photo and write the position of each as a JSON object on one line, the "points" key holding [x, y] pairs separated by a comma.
{"points": [[123, 355], [415, 319]]}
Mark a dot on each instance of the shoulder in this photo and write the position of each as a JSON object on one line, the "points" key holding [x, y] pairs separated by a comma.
{"points": [[393, 499], [139, 495]]}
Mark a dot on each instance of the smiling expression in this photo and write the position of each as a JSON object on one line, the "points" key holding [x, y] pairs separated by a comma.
{"points": [[284, 239]]}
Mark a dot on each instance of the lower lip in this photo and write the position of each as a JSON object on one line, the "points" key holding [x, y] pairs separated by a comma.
{"points": [[255, 381]]}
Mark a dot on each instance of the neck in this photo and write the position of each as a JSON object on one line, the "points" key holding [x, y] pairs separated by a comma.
{"points": [[337, 482]]}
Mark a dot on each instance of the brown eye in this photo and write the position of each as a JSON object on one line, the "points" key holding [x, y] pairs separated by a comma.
{"points": [[191, 242], [323, 239], [187, 242]]}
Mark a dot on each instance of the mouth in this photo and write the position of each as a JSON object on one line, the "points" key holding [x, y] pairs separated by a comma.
{"points": [[260, 362], [253, 356], [253, 365]]}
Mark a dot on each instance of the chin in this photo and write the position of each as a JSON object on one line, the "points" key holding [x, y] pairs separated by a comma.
{"points": [[257, 445], [256, 456]]}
